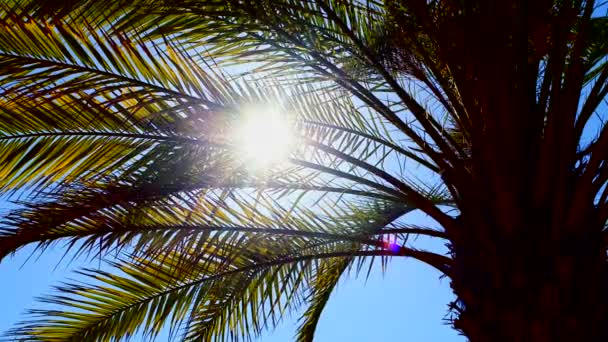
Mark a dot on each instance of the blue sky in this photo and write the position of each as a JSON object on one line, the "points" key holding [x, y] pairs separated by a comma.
{"points": [[408, 303]]}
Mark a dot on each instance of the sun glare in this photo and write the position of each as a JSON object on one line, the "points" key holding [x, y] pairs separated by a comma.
{"points": [[265, 136]]}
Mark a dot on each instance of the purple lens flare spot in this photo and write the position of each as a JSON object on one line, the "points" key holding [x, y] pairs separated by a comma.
{"points": [[391, 244]]}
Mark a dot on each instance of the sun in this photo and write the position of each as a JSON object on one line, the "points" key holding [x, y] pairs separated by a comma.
{"points": [[265, 136]]}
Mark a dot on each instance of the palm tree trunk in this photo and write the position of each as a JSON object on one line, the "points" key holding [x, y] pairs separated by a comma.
{"points": [[532, 289]]}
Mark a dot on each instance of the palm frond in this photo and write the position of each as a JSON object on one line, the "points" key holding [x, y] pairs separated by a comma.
{"points": [[71, 96], [220, 296], [121, 120], [323, 285]]}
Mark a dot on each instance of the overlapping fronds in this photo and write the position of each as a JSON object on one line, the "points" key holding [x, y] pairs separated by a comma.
{"points": [[221, 281], [79, 105], [119, 121]]}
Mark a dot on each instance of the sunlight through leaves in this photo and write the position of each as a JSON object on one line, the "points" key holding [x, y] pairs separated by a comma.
{"points": [[264, 136]]}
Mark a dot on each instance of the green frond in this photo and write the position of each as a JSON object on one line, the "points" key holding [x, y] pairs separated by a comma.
{"points": [[93, 210], [71, 96], [597, 47], [219, 300], [120, 119], [146, 294], [250, 304], [101, 218], [322, 286]]}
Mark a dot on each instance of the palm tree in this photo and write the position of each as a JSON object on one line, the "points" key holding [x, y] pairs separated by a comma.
{"points": [[119, 126]]}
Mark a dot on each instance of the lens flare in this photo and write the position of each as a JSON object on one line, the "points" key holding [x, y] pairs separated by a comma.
{"points": [[390, 243]]}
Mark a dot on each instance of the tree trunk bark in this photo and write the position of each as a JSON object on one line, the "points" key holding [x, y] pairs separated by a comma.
{"points": [[532, 288]]}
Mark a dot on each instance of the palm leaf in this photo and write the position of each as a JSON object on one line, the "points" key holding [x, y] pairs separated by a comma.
{"points": [[120, 118], [323, 285]]}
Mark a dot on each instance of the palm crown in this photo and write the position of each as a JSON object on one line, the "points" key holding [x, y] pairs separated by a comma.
{"points": [[118, 121]]}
